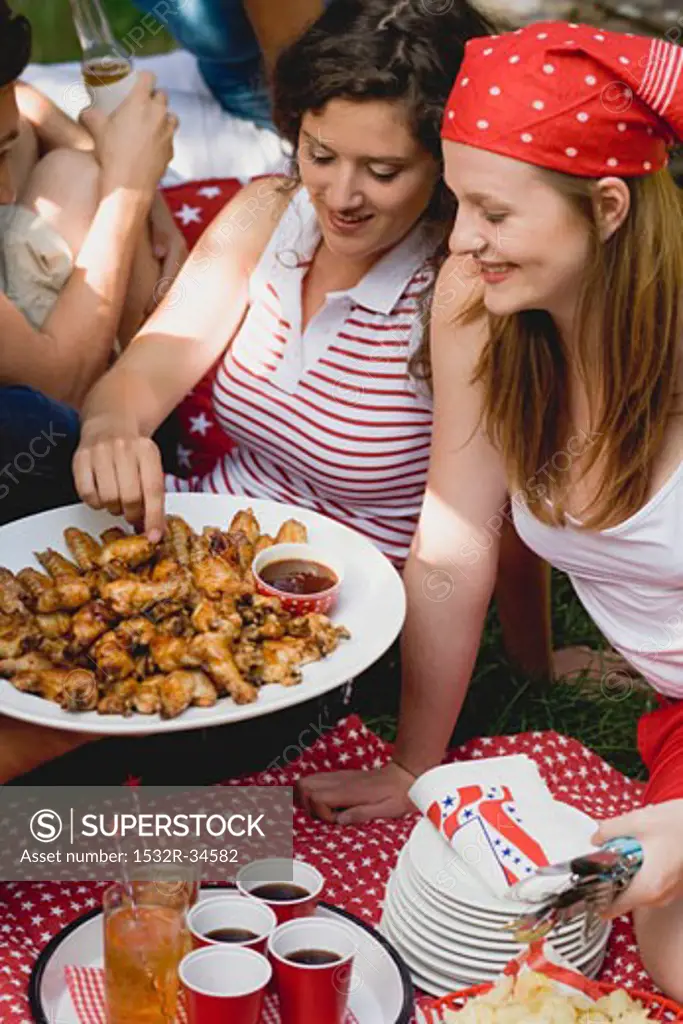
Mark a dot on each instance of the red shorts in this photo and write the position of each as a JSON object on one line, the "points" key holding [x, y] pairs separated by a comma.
{"points": [[660, 742]]}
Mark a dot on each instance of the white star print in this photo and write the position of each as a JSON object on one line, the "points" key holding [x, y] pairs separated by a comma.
{"points": [[199, 424], [210, 191], [184, 455], [189, 214]]}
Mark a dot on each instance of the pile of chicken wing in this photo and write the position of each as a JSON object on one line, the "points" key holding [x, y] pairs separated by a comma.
{"points": [[130, 626]]}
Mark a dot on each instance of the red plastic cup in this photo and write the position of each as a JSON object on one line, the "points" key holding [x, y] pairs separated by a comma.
{"points": [[231, 910], [307, 992], [224, 986], [300, 604], [281, 871]]}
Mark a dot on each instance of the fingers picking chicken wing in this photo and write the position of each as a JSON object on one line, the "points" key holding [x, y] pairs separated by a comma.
{"points": [[132, 551]]}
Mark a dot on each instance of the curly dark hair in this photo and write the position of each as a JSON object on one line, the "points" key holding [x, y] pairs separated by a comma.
{"points": [[15, 44], [407, 50]]}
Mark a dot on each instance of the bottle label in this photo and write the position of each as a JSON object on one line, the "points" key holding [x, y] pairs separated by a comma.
{"points": [[108, 95]]}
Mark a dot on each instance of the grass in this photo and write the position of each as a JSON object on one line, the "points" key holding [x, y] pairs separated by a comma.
{"points": [[55, 38], [503, 702], [499, 701]]}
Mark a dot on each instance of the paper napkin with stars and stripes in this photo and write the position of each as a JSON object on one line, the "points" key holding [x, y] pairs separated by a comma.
{"points": [[500, 818]]}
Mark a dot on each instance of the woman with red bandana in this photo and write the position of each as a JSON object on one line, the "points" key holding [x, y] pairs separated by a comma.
{"points": [[564, 340]]}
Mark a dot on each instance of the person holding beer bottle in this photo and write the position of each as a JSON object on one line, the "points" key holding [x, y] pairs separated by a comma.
{"points": [[75, 204]]}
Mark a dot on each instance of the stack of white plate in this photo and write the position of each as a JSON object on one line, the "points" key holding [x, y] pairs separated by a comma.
{"points": [[449, 928]]}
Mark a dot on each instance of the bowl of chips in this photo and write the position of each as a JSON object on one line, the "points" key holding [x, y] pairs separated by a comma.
{"points": [[532, 997]]}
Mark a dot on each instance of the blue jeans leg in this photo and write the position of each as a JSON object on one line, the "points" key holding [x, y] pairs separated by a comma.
{"points": [[38, 437], [220, 36]]}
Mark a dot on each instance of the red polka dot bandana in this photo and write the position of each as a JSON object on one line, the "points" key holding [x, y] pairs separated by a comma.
{"points": [[570, 98]]}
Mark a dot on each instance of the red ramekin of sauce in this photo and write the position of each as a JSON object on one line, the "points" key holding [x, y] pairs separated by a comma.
{"points": [[303, 577]]}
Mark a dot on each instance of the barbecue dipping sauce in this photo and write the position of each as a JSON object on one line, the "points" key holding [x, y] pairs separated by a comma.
{"points": [[298, 576]]}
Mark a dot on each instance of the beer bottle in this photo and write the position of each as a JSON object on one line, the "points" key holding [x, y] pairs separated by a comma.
{"points": [[108, 71]]}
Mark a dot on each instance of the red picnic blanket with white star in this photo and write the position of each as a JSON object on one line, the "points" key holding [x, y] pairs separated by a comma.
{"points": [[202, 441], [355, 860]]}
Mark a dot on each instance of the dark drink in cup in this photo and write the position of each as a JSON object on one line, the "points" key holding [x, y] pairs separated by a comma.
{"points": [[312, 962], [291, 888]]}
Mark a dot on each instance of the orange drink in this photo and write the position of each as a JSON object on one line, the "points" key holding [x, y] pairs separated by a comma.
{"points": [[144, 942]]}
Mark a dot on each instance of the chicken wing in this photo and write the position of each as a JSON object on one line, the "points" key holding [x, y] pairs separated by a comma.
{"points": [[180, 690], [132, 596], [56, 624], [212, 575], [282, 660], [113, 661], [320, 630], [17, 635], [56, 564], [66, 594], [119, 699], [73, 689], [217, 617], [169, 653], [34, 584], [136, 634], [246, 522], [113, 533], [147, 698], [27, 666], [12, 594], [214, 653], [84, 548], [292, 532], [131, 551], [264, 541], [89, 622], [179, 536]]}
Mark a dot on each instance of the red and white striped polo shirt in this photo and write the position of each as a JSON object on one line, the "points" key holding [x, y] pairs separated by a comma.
{"points": [[330, 418]]}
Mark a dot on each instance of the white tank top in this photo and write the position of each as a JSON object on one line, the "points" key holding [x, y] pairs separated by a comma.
{"points": [[629, 578], [329, 418]]}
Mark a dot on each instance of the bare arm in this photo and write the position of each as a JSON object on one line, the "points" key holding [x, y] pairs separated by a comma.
{"points": [[54, 129], [117, 465], [72, 349], [451, 570], [449, 577], [275, 32]]}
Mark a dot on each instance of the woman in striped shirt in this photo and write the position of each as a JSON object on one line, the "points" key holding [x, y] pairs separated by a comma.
{"points": [[314, 294]]}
